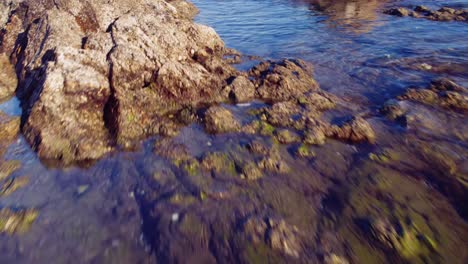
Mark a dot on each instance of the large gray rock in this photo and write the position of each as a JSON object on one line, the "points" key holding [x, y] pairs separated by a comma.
{"points": [[95, 73]]}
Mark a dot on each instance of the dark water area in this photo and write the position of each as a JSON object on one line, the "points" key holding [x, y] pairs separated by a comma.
{"points": [[153, 204]]}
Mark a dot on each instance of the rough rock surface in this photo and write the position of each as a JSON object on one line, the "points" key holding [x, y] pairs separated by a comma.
{"points": [[280, 81], [442, 14], [220, 120], [441, 92], [8, 80], [93, 73]]}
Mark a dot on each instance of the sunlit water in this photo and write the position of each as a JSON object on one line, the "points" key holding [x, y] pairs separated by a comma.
{"points": [[356, 49], [359, 53]]}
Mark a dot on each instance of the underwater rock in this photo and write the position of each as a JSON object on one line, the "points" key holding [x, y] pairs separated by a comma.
{"points": [[8, 167], [251, 171], [220, 120], [275, 233], [440, 92], [16, 221]]}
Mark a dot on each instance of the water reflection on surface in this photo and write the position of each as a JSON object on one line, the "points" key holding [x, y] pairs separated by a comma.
{"points": [[358, 16]]}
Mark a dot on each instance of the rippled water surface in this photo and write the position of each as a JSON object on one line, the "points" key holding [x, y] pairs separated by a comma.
{"points": [[356, 49], [133, 206]]}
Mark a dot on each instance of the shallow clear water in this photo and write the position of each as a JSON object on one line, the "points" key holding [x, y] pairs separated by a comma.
{"points": [[116, 210], [355, 48]]}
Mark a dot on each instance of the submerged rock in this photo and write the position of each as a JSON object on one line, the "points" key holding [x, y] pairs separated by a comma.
{"points": [[275, 233], [440, 92], [12, 222]]}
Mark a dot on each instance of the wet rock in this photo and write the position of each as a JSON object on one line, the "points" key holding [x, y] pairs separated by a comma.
{"points": [[169, 129], [421, 9], [220, 120], [443, 14], [282, 113], [355, 130], [259, 127], [283, 80], [315, 136], [276, 233], [19, 221], [274, 163], [9, 126], [170, 150], [407, 241], [444, 84], [304, 151], [251, 171], [8, 79], [8, 167], [400, 11], [392, 109], [258, 147], [13, 184], [242, 89], [441, 92], [335, 259], [286, 136], [320, 100], [420, 95], [218, 162]]}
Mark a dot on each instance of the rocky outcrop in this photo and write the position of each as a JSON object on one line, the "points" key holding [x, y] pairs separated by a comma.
{"points": [[94, 73], [442, 14]]}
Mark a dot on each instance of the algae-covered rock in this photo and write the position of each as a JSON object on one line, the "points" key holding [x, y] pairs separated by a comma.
{"points": [[218, 162], [251, 171], [305, 151], [286, 136], [315, 136], [388, 216], [220, 120], [16, 221]]}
